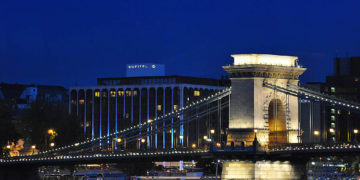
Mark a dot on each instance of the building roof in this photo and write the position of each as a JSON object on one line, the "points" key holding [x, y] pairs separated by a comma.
{"points": [[160, 80]]}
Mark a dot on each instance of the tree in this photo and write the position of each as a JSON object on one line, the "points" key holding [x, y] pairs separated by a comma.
{"points": [[43, 116], [7, 127]]}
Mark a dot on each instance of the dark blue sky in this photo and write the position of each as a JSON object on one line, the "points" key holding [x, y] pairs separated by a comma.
{"points": [[74, 42]]}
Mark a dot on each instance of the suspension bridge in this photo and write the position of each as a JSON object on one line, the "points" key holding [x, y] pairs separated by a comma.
{"points": [[263, 123]]}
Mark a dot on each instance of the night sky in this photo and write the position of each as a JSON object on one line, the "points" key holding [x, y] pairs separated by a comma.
{"points": [[67, 43]]}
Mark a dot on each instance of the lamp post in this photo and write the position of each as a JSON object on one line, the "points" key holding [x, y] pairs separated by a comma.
{"points": [[181, 137], [114, 141], [316, 133], [356, 131], [33, 149], [52, 134]]}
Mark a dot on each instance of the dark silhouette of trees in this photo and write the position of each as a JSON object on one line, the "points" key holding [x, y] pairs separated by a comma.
{"points": [[7, 127], [41, 117]]}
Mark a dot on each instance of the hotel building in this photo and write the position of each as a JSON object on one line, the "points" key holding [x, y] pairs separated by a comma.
{"points": [[118, 103]]}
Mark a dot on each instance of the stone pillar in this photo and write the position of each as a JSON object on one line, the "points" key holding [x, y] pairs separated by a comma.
{"points": [[116, 110], [85, 113], [250, 99], [172, 119], [156, 137], [92, 114], [147, 114], [164, 89], [182, 115], [108, 112]]}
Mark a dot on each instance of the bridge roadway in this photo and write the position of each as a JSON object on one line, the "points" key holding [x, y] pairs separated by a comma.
{"points": [[283, 153]]}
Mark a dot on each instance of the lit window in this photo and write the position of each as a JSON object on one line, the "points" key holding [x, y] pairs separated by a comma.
{"points": [[97, 94], [127, 115], [87, 124], [332, 111], [159, 107], [128, 93], [332, 89], [333, 118], [332, 125], [176, 107], [73, 102], [81, 101], [196, 93], [339, 112], [113, 93], [135, 93], [121, 93]]}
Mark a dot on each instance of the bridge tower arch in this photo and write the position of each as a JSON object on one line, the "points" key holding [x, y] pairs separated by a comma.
{"points": [[252, 105]]}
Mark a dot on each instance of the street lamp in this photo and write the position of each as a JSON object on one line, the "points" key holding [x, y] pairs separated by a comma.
{"points": [[356, 131], [316, 133], [113, 143], [332, 130], [51, 131], [33, 149], [205, 137]]}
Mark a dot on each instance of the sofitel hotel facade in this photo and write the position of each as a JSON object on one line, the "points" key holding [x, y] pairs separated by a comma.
{"points": [[118, 103]]}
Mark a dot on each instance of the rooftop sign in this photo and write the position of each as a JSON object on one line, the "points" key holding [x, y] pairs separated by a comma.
{"points": [[145, 69]]}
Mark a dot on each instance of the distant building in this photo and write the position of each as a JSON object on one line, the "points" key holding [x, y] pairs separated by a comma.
{"points": [[20, 96], [118, 103], [337, 124]]}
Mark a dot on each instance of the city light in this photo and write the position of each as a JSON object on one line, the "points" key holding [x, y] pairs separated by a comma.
{"points": [[50, 131], [143, 140], [316, 133], [52, 144], [205, 137], [8, 146], [356, 131], [212, 131], [181, 137], [193, 145], [332, 130], [218, 144], [118, 140], [33, 147]]}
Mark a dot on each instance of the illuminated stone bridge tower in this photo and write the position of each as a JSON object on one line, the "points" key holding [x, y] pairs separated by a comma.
{"points": [[271, 114]]}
